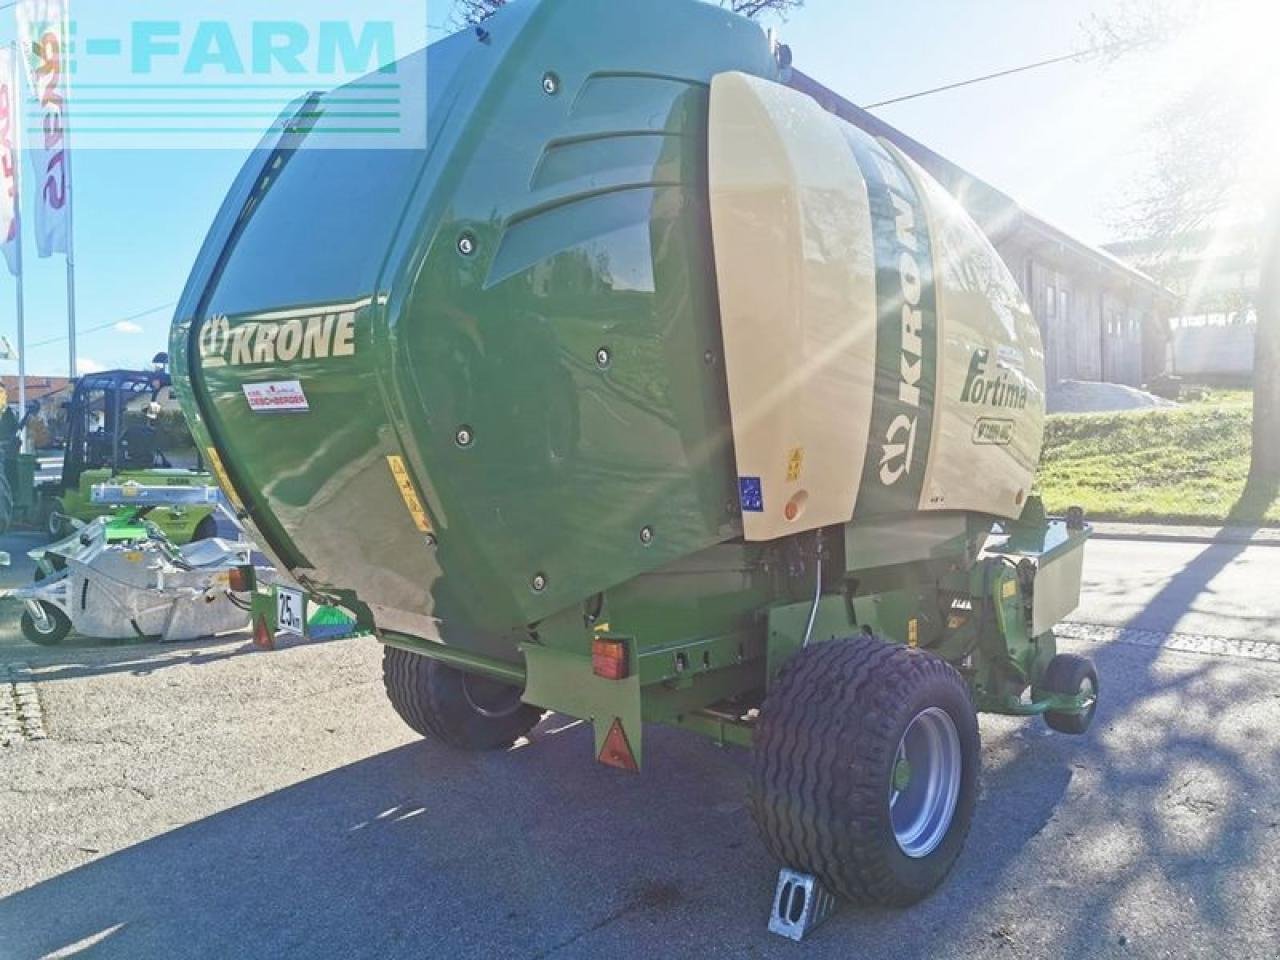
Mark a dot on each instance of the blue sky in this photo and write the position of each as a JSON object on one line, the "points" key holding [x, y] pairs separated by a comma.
{"points": [[1065, 140]]}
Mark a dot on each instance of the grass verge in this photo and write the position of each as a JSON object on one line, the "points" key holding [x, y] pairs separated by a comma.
{"points": [[1181, 465]]}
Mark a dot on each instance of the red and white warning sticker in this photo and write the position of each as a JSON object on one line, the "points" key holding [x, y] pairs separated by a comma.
{"points": [[285, 395]]}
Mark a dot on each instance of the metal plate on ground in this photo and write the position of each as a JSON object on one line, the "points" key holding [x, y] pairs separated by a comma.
{"points": [[290, 611]]}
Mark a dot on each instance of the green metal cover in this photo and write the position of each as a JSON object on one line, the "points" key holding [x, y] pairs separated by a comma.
{"points": [[525, 313]]}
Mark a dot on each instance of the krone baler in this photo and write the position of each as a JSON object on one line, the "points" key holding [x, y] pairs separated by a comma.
{"points": [[651, 392]]}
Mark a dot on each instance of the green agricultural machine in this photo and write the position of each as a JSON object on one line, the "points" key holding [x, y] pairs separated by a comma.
{"points": [[111, 438], [651, 392]]}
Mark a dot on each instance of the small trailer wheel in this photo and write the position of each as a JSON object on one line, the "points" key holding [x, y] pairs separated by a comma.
{"points": [[463, 710], [54, 522], [865, 768], [1070, 675], [49, 628]]}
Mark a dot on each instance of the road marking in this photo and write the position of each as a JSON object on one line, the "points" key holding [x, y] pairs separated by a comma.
{"points": [[1181, 642], [20, 714]]}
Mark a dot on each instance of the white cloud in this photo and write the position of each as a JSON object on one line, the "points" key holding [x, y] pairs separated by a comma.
{"points": [[88, 365], [127, 326]]}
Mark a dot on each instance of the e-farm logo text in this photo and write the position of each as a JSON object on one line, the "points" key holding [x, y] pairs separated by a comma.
{"points": [[235, 74]]}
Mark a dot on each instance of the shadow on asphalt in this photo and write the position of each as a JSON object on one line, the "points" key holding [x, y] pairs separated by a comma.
{"points": [[78, 657], [1184, 800], [422, 851]]}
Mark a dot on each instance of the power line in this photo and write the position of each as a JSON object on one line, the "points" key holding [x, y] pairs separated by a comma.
{"points": [[104, 326], [989, 76]]}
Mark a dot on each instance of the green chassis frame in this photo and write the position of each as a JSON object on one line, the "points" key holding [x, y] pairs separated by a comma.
{"points": [[705, 664]]}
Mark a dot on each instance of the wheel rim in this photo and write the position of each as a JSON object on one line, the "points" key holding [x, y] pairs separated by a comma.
{"points": [[1088, 694], [924, 784], [489, 698], [40, 619]]}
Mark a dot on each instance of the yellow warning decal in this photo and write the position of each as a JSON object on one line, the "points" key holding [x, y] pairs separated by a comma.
{"points": [[220, 474], [795, 463], [1009, 589], [913, 632], [410, 496]]}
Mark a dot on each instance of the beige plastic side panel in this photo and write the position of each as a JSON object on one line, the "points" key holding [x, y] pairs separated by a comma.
{"points": [[793, 250], [988, 421]]}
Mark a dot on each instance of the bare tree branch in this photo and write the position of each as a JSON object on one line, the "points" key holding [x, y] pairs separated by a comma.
{"points": [[1208, 158]]}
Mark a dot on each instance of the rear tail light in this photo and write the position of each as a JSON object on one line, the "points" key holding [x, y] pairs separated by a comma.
{"points": [[241, 579], [609, 658]]}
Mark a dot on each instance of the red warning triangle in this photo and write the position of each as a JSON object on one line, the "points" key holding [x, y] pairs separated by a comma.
{"points": [[262, 637], [616, 751]]}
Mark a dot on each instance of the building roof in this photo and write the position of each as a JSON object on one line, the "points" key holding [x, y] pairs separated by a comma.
{"points": [[37, 387], [1000, 216]]}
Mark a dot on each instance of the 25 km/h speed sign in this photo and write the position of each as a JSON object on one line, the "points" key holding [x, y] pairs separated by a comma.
{"points": [[290, 611]]}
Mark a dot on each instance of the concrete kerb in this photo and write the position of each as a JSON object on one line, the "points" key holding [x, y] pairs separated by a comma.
{"points": [[1171, 533]]}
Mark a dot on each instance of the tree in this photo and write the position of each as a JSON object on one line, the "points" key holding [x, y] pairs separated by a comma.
{"points": [[1211, 157], [474, 11]]}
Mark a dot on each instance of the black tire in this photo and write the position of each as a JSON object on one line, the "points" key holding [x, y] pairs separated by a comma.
{"points": [[6, 504], [824, 764], [465, 711], [59, 626], [54, 523], [1068, 674], [206, 529]]}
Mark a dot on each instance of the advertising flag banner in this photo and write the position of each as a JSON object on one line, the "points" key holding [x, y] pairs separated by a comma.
{"points": [[10, 117], [42, 38]]}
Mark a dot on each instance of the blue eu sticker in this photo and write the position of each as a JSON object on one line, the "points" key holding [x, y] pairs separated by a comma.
{"points": [[751, 494]]}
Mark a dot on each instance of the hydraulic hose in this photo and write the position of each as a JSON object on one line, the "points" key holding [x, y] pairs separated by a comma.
{"points": [[817, 589]]}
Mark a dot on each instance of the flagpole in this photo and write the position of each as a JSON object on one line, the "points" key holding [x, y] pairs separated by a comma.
{"points": [[16, 146], [71, 204]]}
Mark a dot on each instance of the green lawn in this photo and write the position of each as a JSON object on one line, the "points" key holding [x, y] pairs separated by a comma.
{"points": [[1184, 465]]}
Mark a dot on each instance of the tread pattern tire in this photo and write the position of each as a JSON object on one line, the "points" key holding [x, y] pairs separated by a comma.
{"points": [[1065, 675], [431, 698], [823, 763]]}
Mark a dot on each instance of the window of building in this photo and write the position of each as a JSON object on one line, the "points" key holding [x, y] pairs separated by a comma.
{"points": [[1050, 301]]}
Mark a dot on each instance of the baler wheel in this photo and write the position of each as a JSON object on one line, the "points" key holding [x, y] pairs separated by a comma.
{"points": [[462, 710], [1071, 675], [865, 768]]}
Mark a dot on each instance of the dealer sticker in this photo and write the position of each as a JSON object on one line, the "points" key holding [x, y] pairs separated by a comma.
{"points": [[284, 395]]}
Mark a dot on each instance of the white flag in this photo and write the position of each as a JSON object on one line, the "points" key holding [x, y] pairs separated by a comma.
{"points": [[10, 118], [42, 37]]}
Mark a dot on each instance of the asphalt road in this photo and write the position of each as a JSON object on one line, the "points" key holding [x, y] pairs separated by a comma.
{"points": [[1223, 590], [211, 800]]}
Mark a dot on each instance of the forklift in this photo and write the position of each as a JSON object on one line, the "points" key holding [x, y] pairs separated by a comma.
{"points": [[113, 435]]}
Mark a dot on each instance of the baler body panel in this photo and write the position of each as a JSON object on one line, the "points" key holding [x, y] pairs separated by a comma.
{"points": [[881, 359], [797, 280], [533, 328], [505, 352]]}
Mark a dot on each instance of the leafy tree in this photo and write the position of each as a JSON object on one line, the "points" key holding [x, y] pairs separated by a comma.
{"points": [[1211, 161], [474, 11]]}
